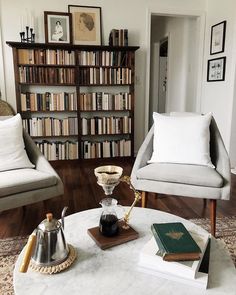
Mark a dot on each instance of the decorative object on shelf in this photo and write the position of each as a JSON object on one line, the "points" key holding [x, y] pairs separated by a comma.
{"points": [[118, 37], [109, 177], [216, 69], [28, 35], [55, 250], [86, 24], [218, 38], [58, 27]]}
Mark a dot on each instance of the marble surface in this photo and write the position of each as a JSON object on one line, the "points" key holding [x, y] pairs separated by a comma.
{"points": [[114, 271]]}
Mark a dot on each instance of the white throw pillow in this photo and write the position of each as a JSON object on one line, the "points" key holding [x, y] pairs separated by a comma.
{"points": [[12, 148], [182, 139]]}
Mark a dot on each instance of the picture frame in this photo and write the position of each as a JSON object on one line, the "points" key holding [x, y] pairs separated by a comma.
{"points": [[86, 24], [216, 69], [58, 27], [218, 38]]}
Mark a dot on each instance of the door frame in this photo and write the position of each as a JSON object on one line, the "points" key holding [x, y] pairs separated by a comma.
{"points": [[201, 19]]}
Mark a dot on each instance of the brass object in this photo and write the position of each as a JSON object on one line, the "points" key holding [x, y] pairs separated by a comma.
{"points": [[137, 197]]}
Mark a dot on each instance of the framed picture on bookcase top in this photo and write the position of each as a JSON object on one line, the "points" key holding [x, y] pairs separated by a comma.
{"points": [[86, 23], [58, 27], [218, 38]]}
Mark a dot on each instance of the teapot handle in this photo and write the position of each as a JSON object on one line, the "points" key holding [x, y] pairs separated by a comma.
{"points": [[28, 252], [62, 216]]}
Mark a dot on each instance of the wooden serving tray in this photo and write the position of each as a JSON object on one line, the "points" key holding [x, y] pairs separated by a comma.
{"points": [[123, 236]]}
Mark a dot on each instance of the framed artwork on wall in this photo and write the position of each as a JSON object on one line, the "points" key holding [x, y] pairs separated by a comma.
{"points": [[218, 38], [216, 69], [86, 23], [58, 27]]}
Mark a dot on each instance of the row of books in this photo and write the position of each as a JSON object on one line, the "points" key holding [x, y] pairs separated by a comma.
{"points": [[105, 58], [65, 57], [96, 101], [177, 253], [48, 126], [106, 125], [118, 37], [48, 101], [53, 151], [30, 74], [46, 56], [106, 149], [105, 76]]}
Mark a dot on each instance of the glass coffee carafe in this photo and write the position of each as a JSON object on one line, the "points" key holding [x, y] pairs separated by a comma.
{"points": [[108, 225]]}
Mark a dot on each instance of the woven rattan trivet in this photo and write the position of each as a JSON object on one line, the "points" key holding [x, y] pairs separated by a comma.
{"points": [[56, 268]]}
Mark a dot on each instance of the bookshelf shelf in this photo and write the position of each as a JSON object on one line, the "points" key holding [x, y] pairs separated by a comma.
{"points": [[85, 81]]}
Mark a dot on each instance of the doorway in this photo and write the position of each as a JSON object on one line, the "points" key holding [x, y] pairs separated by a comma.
{"points": [[162, 77], [175, 64]]}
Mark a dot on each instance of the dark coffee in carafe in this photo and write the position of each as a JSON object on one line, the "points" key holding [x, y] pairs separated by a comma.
{"points": [[109, 225]]}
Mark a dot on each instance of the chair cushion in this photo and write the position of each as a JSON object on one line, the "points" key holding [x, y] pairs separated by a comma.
{"points": [[12, 148], [181, 139], [23, 180], [179, 173]]}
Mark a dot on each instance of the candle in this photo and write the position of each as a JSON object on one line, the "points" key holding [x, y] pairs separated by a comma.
{"points": [[22, 23], [32, 21]]}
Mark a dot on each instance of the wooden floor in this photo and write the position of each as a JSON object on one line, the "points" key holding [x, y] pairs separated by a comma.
{"points": [[82, 193]]}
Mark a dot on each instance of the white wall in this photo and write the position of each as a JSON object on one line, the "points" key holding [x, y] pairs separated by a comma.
{"points": [[217, 97], [130, 14]]}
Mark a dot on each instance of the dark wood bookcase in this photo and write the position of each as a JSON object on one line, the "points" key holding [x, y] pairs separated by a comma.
{"points": [[76, 101]]}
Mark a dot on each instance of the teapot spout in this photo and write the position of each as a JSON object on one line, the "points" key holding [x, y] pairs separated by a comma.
{"points": [[62, 216]]}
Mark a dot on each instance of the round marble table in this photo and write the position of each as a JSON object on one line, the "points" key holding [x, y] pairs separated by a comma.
{"points": [[114, 271]]}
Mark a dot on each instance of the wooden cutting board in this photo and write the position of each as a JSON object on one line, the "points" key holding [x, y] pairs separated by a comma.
{"points": [[123, 236]]}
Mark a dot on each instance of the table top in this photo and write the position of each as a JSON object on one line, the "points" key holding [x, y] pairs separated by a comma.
{"points": [[115, 270]]}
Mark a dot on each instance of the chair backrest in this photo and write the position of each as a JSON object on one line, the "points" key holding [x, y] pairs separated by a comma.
{"points": [[6, 109]]}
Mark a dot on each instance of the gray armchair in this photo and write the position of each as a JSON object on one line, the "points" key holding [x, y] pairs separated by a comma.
{"points": [[21, 187], [185, 180]]}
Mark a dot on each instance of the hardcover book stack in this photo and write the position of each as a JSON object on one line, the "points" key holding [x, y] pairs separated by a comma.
{"points": [[106, 149], [118, 37], [177, 254], [106, 125], [53, 151], [48, 101], [101, 101]]}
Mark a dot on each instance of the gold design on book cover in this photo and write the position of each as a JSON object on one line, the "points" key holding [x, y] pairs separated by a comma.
{"points": [[175, 235]]}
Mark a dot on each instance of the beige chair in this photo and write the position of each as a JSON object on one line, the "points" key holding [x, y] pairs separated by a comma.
{"points": [[185, 180], [21, 187]]}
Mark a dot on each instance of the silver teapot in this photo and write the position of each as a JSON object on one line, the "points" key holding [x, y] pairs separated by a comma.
{"points": [[47, 244]]}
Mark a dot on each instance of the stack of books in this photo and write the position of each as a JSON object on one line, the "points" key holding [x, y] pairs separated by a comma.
{"points": [[177, 254], [118, 37]]}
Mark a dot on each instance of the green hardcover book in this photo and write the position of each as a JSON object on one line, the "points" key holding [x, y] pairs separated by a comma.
{"points": [[175, 242]]}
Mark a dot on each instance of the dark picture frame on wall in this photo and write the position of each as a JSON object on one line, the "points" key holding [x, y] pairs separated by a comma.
{"points": [[218, 38], [216, 69], [58, 27], [86, 23]]}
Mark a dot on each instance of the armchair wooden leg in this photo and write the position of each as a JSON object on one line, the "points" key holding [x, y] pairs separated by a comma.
{"points": [[213, 217], [204, 202], [144, 199]]}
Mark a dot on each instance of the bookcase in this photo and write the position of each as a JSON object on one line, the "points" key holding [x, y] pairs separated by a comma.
{"points": [[76, 101]]}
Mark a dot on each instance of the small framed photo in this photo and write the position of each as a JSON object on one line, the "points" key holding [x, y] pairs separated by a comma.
{"points": [[216, 69], [218, 38], [86, 23], [58, 27]]}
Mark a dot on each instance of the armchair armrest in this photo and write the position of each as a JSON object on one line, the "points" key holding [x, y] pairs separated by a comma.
{"points": [[220, 158], [37, 158], [144, 153]]}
